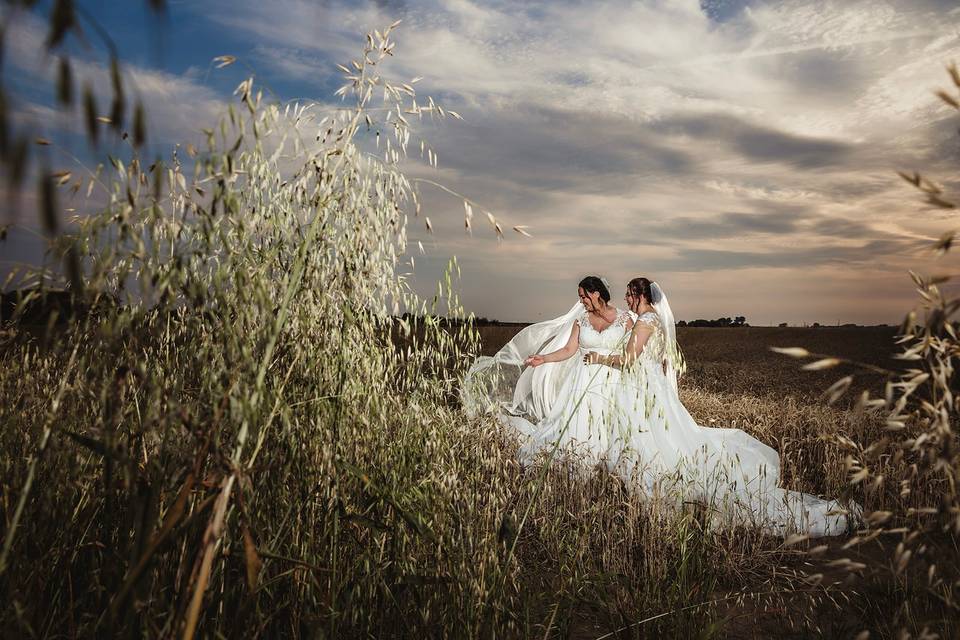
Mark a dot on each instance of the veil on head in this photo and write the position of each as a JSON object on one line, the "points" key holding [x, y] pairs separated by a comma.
{"points": [[675, 363]]}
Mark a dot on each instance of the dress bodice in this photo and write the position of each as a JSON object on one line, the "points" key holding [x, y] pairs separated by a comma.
{"points": [[611, 339], [655, 348]]}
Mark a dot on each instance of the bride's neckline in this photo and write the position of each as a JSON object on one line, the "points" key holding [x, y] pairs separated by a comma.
{"points": [[612, 322]]}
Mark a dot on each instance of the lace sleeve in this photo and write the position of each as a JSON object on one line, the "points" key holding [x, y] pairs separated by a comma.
{"points": [[650, 319]]}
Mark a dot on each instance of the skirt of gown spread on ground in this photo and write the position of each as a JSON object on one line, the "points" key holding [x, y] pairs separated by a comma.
{"points": [[633, 423]]}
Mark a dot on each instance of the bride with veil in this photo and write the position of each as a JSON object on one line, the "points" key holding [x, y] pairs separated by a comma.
{"points": [[617, 404]]}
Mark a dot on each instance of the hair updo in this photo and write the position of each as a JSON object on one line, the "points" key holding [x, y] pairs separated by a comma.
{"points": [[640, 288], [593, 284]]}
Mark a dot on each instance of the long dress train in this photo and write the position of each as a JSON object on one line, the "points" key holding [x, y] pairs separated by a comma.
{"points": [[634, 423], [728, 470]]}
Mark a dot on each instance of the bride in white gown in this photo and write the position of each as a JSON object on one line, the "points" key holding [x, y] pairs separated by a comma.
{"points": [[584, 417], [617, 404]]}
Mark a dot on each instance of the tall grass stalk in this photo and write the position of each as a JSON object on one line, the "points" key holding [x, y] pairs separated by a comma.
{"points": [[911, 469], [248, 439]]}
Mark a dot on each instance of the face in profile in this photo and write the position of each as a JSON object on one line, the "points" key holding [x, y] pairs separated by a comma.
{"points": [[588, 300], [637, 294], [632, 301]]}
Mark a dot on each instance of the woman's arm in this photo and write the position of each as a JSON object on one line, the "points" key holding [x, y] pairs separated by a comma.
{"points": [[638, 340], [614, 360], [639, 335], [560, 354]]}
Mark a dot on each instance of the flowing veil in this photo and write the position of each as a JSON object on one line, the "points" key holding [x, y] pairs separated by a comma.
{"points": [[499, 382], [674, 357]]}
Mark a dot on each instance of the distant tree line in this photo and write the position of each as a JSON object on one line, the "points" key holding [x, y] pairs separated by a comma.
{"points": [[739, 321], [42, 306], [845, 325]]}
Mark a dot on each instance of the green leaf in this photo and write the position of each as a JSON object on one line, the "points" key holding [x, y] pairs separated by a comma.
{"points": [[139, 126], [48, 207], [119, 100]]}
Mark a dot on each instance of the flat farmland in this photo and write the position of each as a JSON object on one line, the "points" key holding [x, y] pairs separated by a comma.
{"points": [[739, 360]]}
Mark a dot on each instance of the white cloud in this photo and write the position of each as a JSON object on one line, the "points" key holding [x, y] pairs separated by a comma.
{"points": [[177, 106], [622, 130]]}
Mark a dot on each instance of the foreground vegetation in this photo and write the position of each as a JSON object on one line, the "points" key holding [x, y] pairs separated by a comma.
{"points": [[241, 437]]}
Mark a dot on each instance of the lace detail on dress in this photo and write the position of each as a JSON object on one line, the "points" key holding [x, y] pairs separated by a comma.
{"points": [[650, 318], [607, 340], [655, 349], [620, 321]]}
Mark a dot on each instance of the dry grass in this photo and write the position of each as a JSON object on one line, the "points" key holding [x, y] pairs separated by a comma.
{"points": [[735, 380], [233, 443]]}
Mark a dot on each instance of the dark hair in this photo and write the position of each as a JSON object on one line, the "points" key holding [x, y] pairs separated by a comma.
{"points": [[593, 284], [640, 287]]}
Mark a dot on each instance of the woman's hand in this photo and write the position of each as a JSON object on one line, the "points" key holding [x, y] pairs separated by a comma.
{"points": [[592, 357], [534, 361]]}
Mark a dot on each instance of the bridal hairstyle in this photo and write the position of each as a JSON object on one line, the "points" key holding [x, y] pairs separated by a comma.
{"points": [[592, 284], [640, 287]]}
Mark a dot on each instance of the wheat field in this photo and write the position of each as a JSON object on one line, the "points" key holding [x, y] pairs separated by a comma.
{"points": [[249, 426], [734, 379]]}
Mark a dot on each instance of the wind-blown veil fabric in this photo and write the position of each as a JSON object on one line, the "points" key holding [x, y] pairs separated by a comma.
{"points": [[497, 382]]}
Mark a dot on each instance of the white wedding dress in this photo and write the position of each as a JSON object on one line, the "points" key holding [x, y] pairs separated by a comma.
{"points": [[633, 423], [585, 418]]}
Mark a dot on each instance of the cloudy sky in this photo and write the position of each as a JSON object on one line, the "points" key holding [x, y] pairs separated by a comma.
{"points": [[740, 152]]}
